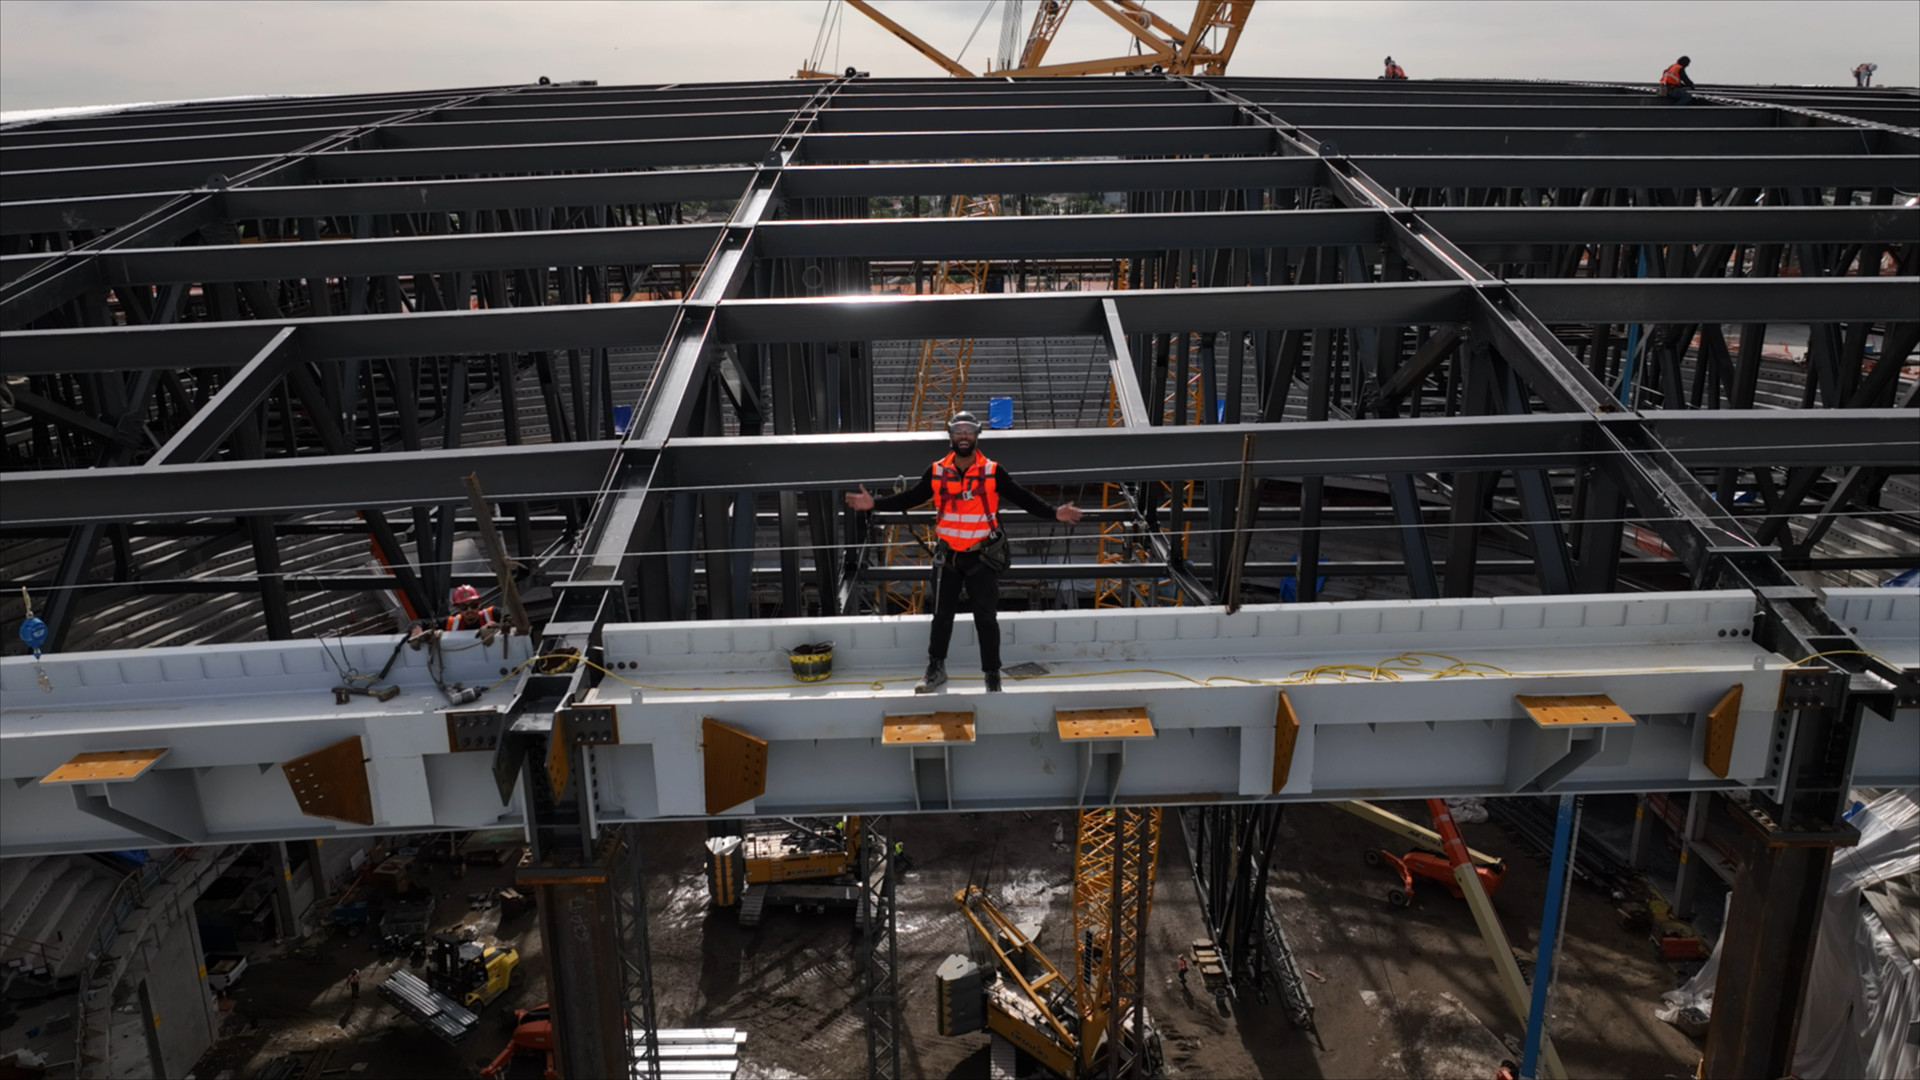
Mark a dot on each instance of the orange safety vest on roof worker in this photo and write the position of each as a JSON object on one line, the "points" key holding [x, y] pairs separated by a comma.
{"points": [[966, 504], [1395, 71], [486, 616], [1672, 75]]}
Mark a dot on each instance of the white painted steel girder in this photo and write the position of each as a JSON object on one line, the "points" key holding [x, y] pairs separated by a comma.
{"points": [[1211, 682]]}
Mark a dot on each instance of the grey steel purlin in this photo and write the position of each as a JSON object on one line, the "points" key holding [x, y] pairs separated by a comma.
{"points": [[1469, 328]]}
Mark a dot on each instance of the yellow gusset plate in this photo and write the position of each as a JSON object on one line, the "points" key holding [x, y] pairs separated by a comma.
{"points": [[1577, 710], [936, 727], [101, 766], [1125, 723]]}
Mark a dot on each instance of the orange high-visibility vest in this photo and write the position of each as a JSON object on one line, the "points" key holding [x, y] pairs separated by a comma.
{"points": [[486, 616], [1672, 75], [966, 504], [1395, 71]]}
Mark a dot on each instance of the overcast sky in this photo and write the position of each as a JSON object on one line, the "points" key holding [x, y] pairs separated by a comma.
{"points": [[90, 52]]}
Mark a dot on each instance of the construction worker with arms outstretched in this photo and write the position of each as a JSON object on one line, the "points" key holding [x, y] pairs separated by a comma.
{"points": [[966, 488], [1675, 86]]}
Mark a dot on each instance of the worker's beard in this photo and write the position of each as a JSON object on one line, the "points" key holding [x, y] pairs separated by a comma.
{"points": [[962, 444]]}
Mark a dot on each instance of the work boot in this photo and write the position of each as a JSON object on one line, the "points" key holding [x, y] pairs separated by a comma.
{"points": [[993, 681], [935, 678]]}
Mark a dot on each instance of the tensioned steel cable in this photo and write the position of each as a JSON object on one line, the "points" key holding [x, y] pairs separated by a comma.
{"points": [[321, 574], [1485, 461]]}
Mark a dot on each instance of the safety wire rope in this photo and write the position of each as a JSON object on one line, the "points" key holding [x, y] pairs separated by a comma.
{"points": [[321, 576], [1483, 461]]}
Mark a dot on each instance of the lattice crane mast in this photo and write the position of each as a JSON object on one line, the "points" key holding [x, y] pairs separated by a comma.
{"points": [[1074, 1023]]}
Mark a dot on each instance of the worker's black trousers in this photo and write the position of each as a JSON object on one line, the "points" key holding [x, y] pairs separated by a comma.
{"points": [[983, 592]]}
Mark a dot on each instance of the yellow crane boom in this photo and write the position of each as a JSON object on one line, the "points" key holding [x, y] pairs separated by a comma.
{"points": [[1162, 44], [953, 66], [1046, 23]]}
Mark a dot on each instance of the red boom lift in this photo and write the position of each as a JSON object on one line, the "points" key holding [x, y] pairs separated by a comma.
{"points": [[532, 1034]]}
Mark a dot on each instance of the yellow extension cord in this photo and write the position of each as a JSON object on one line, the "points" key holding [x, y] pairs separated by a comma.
{"points": [[1387, 670]]}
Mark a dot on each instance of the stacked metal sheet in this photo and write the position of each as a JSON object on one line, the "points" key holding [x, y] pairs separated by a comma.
{"points": [[695, 1053], [434, 1011]]}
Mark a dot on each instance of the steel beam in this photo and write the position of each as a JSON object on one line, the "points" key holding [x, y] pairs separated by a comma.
{"points": [[1725, 300], [1666, 659], [202, 435], [929, 115], [928, 145], [1064, 236], [190, 209], [1043, 177], [596, 156], [1844, 168], [292, 485], [1056, 314], [481, 193], [1678, 141], [48, 157], [340, 337], [1767, 951], [1882, 438], [458, 132], [410, 255], [1677, 225]]}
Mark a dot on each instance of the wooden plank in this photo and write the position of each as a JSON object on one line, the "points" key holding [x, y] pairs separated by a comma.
{"points": [[332, 782], [735, 765], [1286, 730], [104, 766], [1131, 722], [1573, 710], [1723, 720], [934, 727]]}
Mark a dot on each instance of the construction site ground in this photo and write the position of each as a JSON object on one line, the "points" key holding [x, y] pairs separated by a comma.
{"points": [[1398, 992]]}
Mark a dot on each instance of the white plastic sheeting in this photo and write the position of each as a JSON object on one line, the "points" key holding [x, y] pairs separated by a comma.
{"points": [[1863, 991]]}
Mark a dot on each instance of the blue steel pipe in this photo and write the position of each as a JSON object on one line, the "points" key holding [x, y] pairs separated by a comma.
{"points": [[1549, 926], [1633, 344]]}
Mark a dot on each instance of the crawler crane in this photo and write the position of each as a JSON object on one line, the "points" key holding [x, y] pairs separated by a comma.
{"points": [[1093, 1021], [802, 863]]}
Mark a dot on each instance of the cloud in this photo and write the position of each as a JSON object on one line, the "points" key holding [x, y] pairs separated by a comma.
{"points": [[63, 53]]}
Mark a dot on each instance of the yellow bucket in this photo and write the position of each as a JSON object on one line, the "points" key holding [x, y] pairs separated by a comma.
{"points": [[811, 663]]}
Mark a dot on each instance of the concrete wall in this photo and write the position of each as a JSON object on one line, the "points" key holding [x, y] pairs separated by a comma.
{"points": [[183, 1017], [336, 861]]}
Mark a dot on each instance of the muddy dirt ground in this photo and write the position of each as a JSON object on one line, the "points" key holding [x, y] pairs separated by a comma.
{"points": [[1398, 992]]}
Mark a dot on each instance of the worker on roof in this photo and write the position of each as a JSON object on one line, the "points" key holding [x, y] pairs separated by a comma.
{"points": [[1863, 74], [1394, 71], [966, 488], [1675, 87]]}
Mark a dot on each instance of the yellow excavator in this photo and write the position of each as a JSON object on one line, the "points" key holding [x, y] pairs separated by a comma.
{"points": [[1072, 1024]]}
